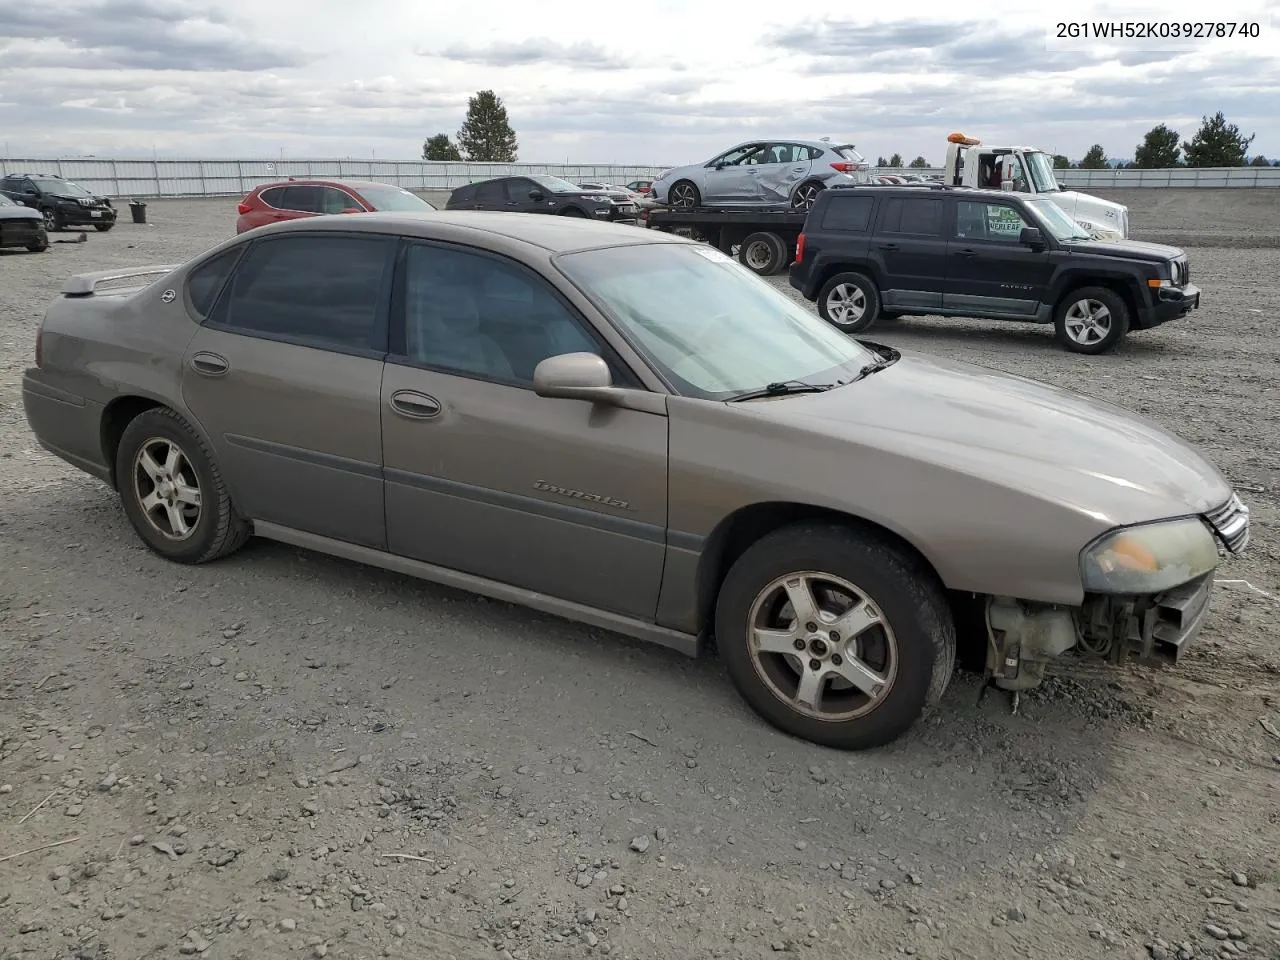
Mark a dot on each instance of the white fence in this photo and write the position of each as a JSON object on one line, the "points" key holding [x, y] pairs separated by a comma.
{"points": [[210, 178]]}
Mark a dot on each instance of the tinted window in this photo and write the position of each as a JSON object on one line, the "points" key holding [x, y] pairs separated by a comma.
{"points": [[273, 197], [482, 316], [848, 213], [463, 195], [333, 200], [204, 282], [303, 199], [988, 221], [493, 191], [324, 291], [920, 216]]}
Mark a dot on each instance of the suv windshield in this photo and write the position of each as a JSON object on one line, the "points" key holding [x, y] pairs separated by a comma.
{"points": [[61, 188], [1056, 221], [394, 198], [712, 328], [556, 185], [1041, 170]]}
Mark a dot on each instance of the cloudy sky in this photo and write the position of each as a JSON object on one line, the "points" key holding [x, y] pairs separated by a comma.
{"points": [[659, 82]]}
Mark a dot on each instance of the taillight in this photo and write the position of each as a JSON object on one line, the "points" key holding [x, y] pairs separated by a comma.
{"points": [[799, 248], [243, 207], [844, 166], [40, 347]]}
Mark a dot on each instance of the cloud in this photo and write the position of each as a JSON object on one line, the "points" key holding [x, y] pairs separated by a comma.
{"points": [[134, 35], [536, 51]]}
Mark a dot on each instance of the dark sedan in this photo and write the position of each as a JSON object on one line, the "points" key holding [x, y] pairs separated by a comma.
{"points": [[20, 226], [543, 194]]}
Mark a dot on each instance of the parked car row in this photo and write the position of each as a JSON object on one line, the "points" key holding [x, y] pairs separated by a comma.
{"points": [[57, 202]]}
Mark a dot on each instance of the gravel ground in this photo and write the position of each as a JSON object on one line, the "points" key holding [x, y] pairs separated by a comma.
{"points": [[283, 755]]}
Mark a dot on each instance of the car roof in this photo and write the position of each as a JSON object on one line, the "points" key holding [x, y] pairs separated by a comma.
{"points": [[326, 182], [496, 230]]}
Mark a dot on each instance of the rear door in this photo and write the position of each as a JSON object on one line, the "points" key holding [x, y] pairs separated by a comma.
{"points": [[563, 497], [285, 376], [782, 167], [991, 272], [491, 195], [910, 249]]}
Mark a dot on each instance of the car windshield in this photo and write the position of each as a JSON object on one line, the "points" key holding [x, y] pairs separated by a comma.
{"points": [[849, 153], [712, 328], [556, 185], [1056, 221], [62, 188], [394, 198], [1041, 169], [6, 202]]}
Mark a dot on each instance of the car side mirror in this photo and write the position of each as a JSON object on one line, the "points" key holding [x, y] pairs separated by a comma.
{"points": [[537, 196], [575, 376], [1031, 237]]}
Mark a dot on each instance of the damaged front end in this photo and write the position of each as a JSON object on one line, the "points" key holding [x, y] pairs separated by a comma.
{"points": [[1147, 591]]}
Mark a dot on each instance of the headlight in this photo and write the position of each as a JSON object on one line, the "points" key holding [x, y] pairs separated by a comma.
{"points": [[1149, 558]]}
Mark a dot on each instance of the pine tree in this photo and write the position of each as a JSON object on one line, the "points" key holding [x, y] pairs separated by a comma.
{"points": [[440, 147], [919, 163], [1095, 158], [486, 135], [1158, 149], [1217, 144], [896, 160]]}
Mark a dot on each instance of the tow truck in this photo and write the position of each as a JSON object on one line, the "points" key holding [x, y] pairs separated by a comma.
{"points": [[1028, 170]]}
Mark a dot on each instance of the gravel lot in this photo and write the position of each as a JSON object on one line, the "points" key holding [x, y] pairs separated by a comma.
{"points": [[235, 756]]}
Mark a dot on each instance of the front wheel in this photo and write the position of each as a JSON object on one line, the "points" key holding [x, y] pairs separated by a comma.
{"points": [[1091, 320], [39, 246], [835, 636], [103, 227], [683, 195], [849, 302], [52, 221], [173, 492]]}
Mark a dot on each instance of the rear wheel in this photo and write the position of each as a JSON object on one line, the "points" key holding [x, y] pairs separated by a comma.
{"points": [[806, 195], [103, 227], [849, 302], [835, 636], [763, 253], [173, 492], [683, 195], [39, 246], [1091, 320]]}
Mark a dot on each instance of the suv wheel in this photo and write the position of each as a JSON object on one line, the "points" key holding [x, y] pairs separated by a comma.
{"points": [[1091, 320], [849, 301], [835, 636], [52, 221], [173, 492]]}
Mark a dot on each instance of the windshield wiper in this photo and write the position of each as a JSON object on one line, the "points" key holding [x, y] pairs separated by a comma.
{"points": [[782, 388]]}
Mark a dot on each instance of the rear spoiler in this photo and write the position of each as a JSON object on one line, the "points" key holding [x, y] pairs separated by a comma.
{"points": [[84, 284]]}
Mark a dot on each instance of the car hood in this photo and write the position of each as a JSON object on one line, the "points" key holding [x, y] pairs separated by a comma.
{"points": [[20, 213], [1053, 444], [1129, 249]]}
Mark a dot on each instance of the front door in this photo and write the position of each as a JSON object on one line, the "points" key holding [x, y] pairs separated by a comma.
{"points": [[910, 250], [285, 376], [991, 272], [736, 182], [558, 496]]}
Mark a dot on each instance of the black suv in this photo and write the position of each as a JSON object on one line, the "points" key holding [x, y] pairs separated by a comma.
{"points": [[61, 202], [871, 253], [543, 194]]}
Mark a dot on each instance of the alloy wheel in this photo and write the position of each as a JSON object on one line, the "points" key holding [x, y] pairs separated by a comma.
{"points": [[167, 488], [846, 304], [1087, 322]]}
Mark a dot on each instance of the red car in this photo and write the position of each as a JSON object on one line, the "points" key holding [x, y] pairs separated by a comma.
{"points": [[292, 198]]}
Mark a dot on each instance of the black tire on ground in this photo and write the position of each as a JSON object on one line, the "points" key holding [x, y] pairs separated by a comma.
{"points": [[103, 227], [763, 253], [39, 246], [849, 302], [683, 195], [903, 592], [217, 529], [1091, 320]]}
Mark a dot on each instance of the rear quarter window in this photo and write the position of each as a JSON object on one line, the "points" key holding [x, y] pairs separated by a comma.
{"points": [[848, 214], [204, 283]]}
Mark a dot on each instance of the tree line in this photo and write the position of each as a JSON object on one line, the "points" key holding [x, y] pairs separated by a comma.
{"points": [[1216, 144], [484, 137]]}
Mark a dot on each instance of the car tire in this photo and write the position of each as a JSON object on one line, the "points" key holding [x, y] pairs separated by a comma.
{"points": [[103, 227], [806, 195], [849, 302], [900, 633], [39, 246], [684, 195], [52, 221], [1091, 320], [214, 528], [763, 253]]}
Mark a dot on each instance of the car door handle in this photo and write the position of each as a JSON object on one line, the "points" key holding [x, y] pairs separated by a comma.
{"points": [[888, 246], [966, 252], [210, 364], [414, 405]]}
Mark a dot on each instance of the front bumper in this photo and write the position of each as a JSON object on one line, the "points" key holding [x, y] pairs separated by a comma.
{"points": [[78, 215], [1170, 304]]}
